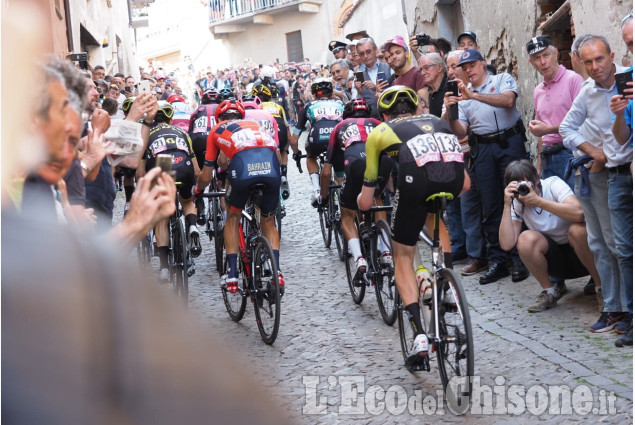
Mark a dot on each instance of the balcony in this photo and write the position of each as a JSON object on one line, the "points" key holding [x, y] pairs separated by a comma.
{"points": [[139, 12], [227, 16]]}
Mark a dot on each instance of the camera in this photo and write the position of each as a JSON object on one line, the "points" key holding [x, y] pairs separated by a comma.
{"points": [[81, 58], [523, 188], [423, 39]]}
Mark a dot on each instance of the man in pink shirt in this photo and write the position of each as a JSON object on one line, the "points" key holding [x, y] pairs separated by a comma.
{"points": [[552, 100]]}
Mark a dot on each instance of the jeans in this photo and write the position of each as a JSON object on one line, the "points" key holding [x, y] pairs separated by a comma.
{"points": [[600, 238], [457, 234], [621, 206], [555, 165], [489, 169]]}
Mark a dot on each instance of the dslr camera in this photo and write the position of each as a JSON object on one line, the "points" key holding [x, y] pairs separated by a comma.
{"points": [[423, 39], [523, 188]]}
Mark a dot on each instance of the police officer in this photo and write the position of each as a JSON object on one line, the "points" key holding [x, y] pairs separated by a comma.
{"points": [[488, 113]]}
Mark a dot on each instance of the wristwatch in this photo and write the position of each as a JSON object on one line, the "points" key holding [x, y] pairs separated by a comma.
{"points": [[148, 124], [84, 167]]}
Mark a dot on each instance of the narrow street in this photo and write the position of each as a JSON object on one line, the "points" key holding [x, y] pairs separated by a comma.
{"points": [[335, 362]]}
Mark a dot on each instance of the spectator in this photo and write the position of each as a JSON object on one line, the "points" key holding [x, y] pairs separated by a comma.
{"points": [[338, 49], [399, 60], [342, 83], [554, 244], [552, 100], [434, 73], [467, 40], [607, 186], [99, 72], [488, 111], [367, 50], [622, 107]]}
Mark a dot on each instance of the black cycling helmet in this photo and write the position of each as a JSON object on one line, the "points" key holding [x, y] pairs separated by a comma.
{"points": [[165, 112], [210, 95], [263, 92], [390, 100], [127, 104], [321, 87], [225, 94], [356, 108]]}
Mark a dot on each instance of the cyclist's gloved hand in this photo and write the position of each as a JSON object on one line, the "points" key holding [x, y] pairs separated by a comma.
{"points": [[196, 192], [297, 158]]}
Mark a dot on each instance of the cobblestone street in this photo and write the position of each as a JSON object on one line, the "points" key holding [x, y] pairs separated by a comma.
{"points": [[331, 354]]}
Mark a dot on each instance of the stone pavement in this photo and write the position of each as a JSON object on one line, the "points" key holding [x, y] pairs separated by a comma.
{"points": [[336, 362]]}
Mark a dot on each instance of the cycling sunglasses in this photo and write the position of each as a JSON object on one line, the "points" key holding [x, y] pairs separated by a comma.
{"points": [[389, 99]]}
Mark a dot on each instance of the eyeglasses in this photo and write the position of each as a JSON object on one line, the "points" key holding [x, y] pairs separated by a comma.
{"points": [[626, 19], [391, 97], [427, 67], [365, 52]]}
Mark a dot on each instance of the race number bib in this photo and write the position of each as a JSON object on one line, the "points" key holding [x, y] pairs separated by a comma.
{"points": [[200, 125], [434, 147]]}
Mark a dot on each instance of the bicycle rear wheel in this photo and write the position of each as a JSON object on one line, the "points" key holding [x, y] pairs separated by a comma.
{"points": [[266, 289], [356, 284], [178, 260], [385, 287], [327, 231], [237, 302], [336, 225], [455, 351], [218, 224]]}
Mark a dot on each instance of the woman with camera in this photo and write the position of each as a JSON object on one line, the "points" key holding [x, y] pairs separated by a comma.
{"points": [[555, 242]]}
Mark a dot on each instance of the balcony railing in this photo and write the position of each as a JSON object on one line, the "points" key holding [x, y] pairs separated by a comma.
{"points": [[223, 10]]}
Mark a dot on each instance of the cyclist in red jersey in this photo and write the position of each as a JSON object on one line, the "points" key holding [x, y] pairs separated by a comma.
{"points": [[253, 153]]}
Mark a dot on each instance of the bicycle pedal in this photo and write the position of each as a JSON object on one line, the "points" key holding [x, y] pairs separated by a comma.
{"points": [[418, 363]]}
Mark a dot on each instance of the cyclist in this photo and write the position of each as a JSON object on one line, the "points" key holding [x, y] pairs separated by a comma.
{"points": [[346, 154], [430, 161], [171, 140], [127, 173], [201, 122], [267, 94], [254, 159], [323, 114], [182, 111], [254, 111]]}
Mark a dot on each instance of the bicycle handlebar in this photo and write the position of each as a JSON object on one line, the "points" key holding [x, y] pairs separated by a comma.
{"points": [[212, 194]]}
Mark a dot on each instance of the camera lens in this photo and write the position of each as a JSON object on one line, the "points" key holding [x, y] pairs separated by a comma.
{"points": [[523, 189]]}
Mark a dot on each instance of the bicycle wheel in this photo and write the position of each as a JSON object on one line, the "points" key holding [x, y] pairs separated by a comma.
{"points": [[336, 226], [385, 287], [237, 302], [324, 226], [266, 290], [178, 265], [455, 351], [218, 225], [356, 284]]}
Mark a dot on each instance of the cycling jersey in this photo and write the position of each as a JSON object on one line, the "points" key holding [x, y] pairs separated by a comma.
{"points": [[430, 161], [235, 136], [201, 122], [279, 115], [266, 121], [323, 115], [182, 114]]}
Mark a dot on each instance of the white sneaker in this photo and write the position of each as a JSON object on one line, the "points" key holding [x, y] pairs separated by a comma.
{"points": [[361, 265], [164, 275], [420, 345], [316, 199], [385, 259]]}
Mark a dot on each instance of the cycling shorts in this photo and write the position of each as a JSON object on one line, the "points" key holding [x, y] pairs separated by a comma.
{"points": [[283, 134], [249, 167], [319, 136], [352, 185], [199, 145], [415, 184], [183, 169]]}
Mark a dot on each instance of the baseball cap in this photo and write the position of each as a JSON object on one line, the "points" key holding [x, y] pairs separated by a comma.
{"points": [[470, 55], [538, 44], [468, 34], [336, 45], [396, 40], [357, 34]]}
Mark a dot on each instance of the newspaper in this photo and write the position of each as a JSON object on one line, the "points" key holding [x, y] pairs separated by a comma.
{"points": [[126, 140]]}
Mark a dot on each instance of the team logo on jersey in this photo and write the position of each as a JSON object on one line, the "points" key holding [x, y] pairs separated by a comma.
{"points": [[492, 89], [426, 127]]}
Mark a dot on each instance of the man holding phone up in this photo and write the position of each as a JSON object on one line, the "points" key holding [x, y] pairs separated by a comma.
{"points": [[369, 70], [398, 58]]}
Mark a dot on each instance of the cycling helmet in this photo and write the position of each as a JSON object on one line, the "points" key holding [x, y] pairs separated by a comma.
{"points": [[321, 87], [356, 108], [267, 72], [263, 92], [175, 98], [229, 106], [165, 113], [127, 104], [250, 101], [225, 94], [393, 96], [210, 95]]}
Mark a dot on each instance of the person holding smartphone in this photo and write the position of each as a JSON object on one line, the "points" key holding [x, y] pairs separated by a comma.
{"points": [[398, 58], [370, 67], [622, 104]]}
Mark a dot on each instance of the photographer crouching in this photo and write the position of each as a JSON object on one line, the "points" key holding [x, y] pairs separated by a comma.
{"points": [[555, 243]]}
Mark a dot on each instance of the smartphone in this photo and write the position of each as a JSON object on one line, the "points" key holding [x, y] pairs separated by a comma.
{"points": [[381, 76], [453, 87], [165, 163], [359, 76], [621, 79], [144, 86]]}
